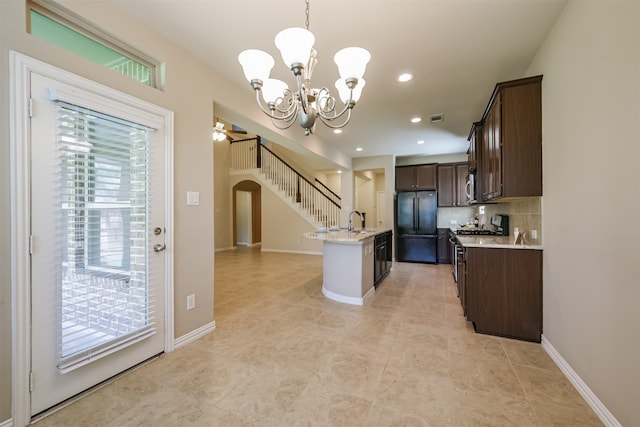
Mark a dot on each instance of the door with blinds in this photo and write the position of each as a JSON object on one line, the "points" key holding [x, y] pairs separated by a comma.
{"points": [[98, 238]]}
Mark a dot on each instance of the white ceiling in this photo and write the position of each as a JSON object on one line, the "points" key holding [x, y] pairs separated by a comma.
{"points": [[457, 50]]}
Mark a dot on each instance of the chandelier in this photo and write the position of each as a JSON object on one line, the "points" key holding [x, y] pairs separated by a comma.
{"points": [[307, 104]]}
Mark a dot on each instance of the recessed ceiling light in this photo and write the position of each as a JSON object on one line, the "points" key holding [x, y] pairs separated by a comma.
{"points": [[416, 119], [339, 171], [359, 149], [337, 131], [405, 77], [420, 142]]}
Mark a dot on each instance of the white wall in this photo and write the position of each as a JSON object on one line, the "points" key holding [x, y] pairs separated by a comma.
{"points": [[222, 219], [591, 203], [282, 226], [333, 182], [444, 158], [386, 163], [365, 199]]}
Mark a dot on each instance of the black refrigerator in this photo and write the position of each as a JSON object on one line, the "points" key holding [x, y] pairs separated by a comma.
{"points": [[416, 226]]}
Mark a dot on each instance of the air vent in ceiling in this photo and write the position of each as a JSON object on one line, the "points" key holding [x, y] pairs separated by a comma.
{"points": [[436, 118]]}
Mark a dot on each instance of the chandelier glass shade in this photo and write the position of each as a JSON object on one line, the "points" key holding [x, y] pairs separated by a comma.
{"points": [[219, 134], [305, 103]]}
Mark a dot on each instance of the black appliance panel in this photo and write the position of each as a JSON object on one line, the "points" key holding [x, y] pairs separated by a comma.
{"points": [[426, 213], [417, 248], [405, 216]]}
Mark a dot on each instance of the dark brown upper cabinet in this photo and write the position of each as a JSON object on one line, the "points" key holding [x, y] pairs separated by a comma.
{"points": [[452, 180], [509, 157], [416, 177], [475, 138]]}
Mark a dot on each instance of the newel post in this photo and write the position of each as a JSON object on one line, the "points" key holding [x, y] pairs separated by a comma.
{"points": [[258, 152]]}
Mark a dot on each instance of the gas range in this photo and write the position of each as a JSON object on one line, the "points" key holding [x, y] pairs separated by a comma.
{"points": [[476, 232], [499, 227]]}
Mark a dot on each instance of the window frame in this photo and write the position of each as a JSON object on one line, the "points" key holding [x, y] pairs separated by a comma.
{"points": [[72, 21]]}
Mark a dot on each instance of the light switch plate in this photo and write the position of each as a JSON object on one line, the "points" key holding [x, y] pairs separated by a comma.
{"points": [[193, 198]]}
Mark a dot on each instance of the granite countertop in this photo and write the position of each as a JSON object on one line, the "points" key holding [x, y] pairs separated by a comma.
{"points": [[344, 236], [506, 242]]}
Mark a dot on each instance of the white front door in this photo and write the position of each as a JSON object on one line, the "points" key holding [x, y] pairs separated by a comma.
{"points": [[98, 227]]}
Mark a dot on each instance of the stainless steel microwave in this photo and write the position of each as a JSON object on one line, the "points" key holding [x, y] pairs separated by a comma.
{"points": [[471, 189]]}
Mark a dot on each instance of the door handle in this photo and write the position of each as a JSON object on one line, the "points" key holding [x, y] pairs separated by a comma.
{"points": [[159, 247]]}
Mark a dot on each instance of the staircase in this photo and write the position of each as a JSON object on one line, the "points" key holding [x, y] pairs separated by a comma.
{"points": [[321, 208]]}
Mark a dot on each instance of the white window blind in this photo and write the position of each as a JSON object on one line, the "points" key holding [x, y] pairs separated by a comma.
{"points": [[105, 303]]}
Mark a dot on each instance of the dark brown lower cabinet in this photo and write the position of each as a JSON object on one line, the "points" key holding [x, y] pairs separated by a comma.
{"points": [[382, 257], [442, 248], [503, 291]]}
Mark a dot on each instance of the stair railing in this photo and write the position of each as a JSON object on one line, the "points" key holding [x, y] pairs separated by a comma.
{"points": [[251, 154], [328, 192]]}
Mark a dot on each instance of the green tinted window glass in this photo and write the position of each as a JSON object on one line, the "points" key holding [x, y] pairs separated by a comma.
{"points": [[67, 38]]}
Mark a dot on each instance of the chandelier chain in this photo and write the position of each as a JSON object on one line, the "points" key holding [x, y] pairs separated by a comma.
{"points": [[306, 13]]}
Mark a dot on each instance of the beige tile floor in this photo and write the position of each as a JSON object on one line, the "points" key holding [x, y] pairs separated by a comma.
{"points": [[283, 355]]}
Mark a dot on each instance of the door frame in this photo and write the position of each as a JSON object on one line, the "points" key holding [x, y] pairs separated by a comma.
{"points": [[255, 189], [20, 171], [381, 197]]}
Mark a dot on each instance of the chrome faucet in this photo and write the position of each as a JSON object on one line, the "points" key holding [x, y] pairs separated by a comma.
{"points": [[350, 227]]}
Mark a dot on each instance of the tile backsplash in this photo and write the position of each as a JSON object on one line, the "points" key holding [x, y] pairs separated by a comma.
{"points": [[453, 217], [524, 213]]}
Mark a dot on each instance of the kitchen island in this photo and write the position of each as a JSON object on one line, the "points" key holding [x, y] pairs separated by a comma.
{"points": [[352, 263]]}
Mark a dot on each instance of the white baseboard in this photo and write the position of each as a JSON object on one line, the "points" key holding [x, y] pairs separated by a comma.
{"points": [[218, 250], [598, 407], [8, 423], [194, 335], [344, 299], [287, 251]]}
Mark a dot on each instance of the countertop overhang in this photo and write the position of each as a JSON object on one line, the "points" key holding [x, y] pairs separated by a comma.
{"points": [[505, 242], [345, 236]]}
